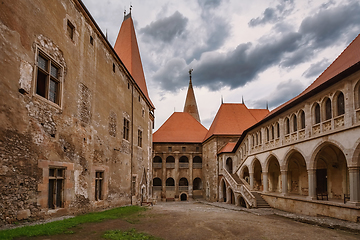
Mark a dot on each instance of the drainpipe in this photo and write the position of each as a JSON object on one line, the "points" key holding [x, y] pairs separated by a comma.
{"points": [[131, 142]]}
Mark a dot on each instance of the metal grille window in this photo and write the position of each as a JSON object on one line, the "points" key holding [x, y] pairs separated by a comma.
{"points": [[139, 138], [126, 129], [48, 79], [99, 179], [56, 188]]}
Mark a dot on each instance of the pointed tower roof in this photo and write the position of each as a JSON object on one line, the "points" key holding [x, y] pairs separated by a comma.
{"points": [[127, 49], [190, 102]]}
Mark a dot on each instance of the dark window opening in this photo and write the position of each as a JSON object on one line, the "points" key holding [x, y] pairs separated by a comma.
{"points": [[70, 30], [169, 149], [295, 123], [278, 130], [99, 178], [56, 188], [113, 67], [139, 138], [91, 40], [317, 114], [340, 104], [183, 149], [287, 126], [126, 129], [302, 120], [328, 113]]}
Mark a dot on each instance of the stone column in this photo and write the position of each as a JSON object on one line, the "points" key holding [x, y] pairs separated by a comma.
{"points": [[251, 181], [284, 179], [190, 191], [354, 181], [312, 183], [265, 182]]}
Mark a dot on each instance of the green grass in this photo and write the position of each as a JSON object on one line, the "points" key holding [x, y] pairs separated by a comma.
{"points": [[131, 234], [63, 226]]}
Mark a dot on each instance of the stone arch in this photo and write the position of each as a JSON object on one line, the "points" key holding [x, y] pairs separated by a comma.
{"points": [[230, 196], [197, 159], [244, 173], [229, 165], [319, 146], [222, 190], [339, 103], [357, 95], [274, 175], [316, 113], [241, 201], [157, 159], [183, 197], [332, 176], [170, 182], [170, 159], [197, 184], [327, 108], [183, 182], [257, 170], [157, 182], [184, 159], [297, 176], [355, 158]]}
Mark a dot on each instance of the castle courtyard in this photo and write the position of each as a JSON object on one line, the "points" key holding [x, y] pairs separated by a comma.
{"points": [[195, 220]]}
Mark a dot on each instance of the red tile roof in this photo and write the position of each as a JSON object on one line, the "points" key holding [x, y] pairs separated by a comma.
{"points": [[234, 118], [127, 49], [180, 128], [228, 148], [349, 57]]}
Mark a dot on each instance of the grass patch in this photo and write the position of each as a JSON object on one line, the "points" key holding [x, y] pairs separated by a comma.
{"points": [[63, 226], [131, 234]]}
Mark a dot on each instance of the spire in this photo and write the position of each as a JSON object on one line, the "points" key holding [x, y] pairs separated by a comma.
{"points": [[127, 49], [267, 105], [222, 99], [242, 99], [190, 103]]}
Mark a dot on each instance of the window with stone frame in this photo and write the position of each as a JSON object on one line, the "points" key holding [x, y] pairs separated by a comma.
{"points": [[294, 123], [278, 130], [99, 181], [126, 129], [317, 113], [139, 138], [56, 188], [70, 30], [302, 120], [48, 82], [287, 126], [328, 112], [340, 104]]}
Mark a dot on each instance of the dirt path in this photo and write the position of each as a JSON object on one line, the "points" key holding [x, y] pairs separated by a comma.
{"points": [[191, 220]]}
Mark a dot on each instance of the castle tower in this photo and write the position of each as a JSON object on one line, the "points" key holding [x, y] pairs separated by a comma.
{"points": [[190, 103], [127, 49]]}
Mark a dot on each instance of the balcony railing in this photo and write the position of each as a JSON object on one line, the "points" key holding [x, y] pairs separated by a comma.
{"points": [[197, 165], [156, 188], [170, 188], [170, 165], [183, 165], [183, 188], [157, 165]]}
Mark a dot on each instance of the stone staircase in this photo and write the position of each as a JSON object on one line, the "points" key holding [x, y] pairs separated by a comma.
{"points": [[260, 202]]}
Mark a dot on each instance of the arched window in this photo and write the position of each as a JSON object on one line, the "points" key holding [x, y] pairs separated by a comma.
{"points": [[267, 134], [272, 132], [170, 159], [157, 159], [340, 104], [287, 126], [328, 113], [170, 182], [294, 123], [260, 137], [302, 120], [317, 113], [257, 139], [197, 184], [184, 159], [157, 182], [278, 130], [253, 140], [183, 182]]}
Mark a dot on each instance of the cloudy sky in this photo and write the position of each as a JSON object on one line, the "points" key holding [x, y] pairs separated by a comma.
{"points": [[261, 50]]}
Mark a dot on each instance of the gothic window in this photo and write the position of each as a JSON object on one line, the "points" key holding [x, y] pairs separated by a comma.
{"points": [[272, 133], [56, 188], [317, 113], [278, 130], [267, 134], [260, 137], [294, 123], [287, 126], [340, 104], [328, 113], [99, 179], [48, 78], [302, 120]]}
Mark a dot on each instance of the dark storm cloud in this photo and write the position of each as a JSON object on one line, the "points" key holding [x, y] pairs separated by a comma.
{"points": [[166, 29], [272, 15], [315, 69], [284, 47], [283, 92]]}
